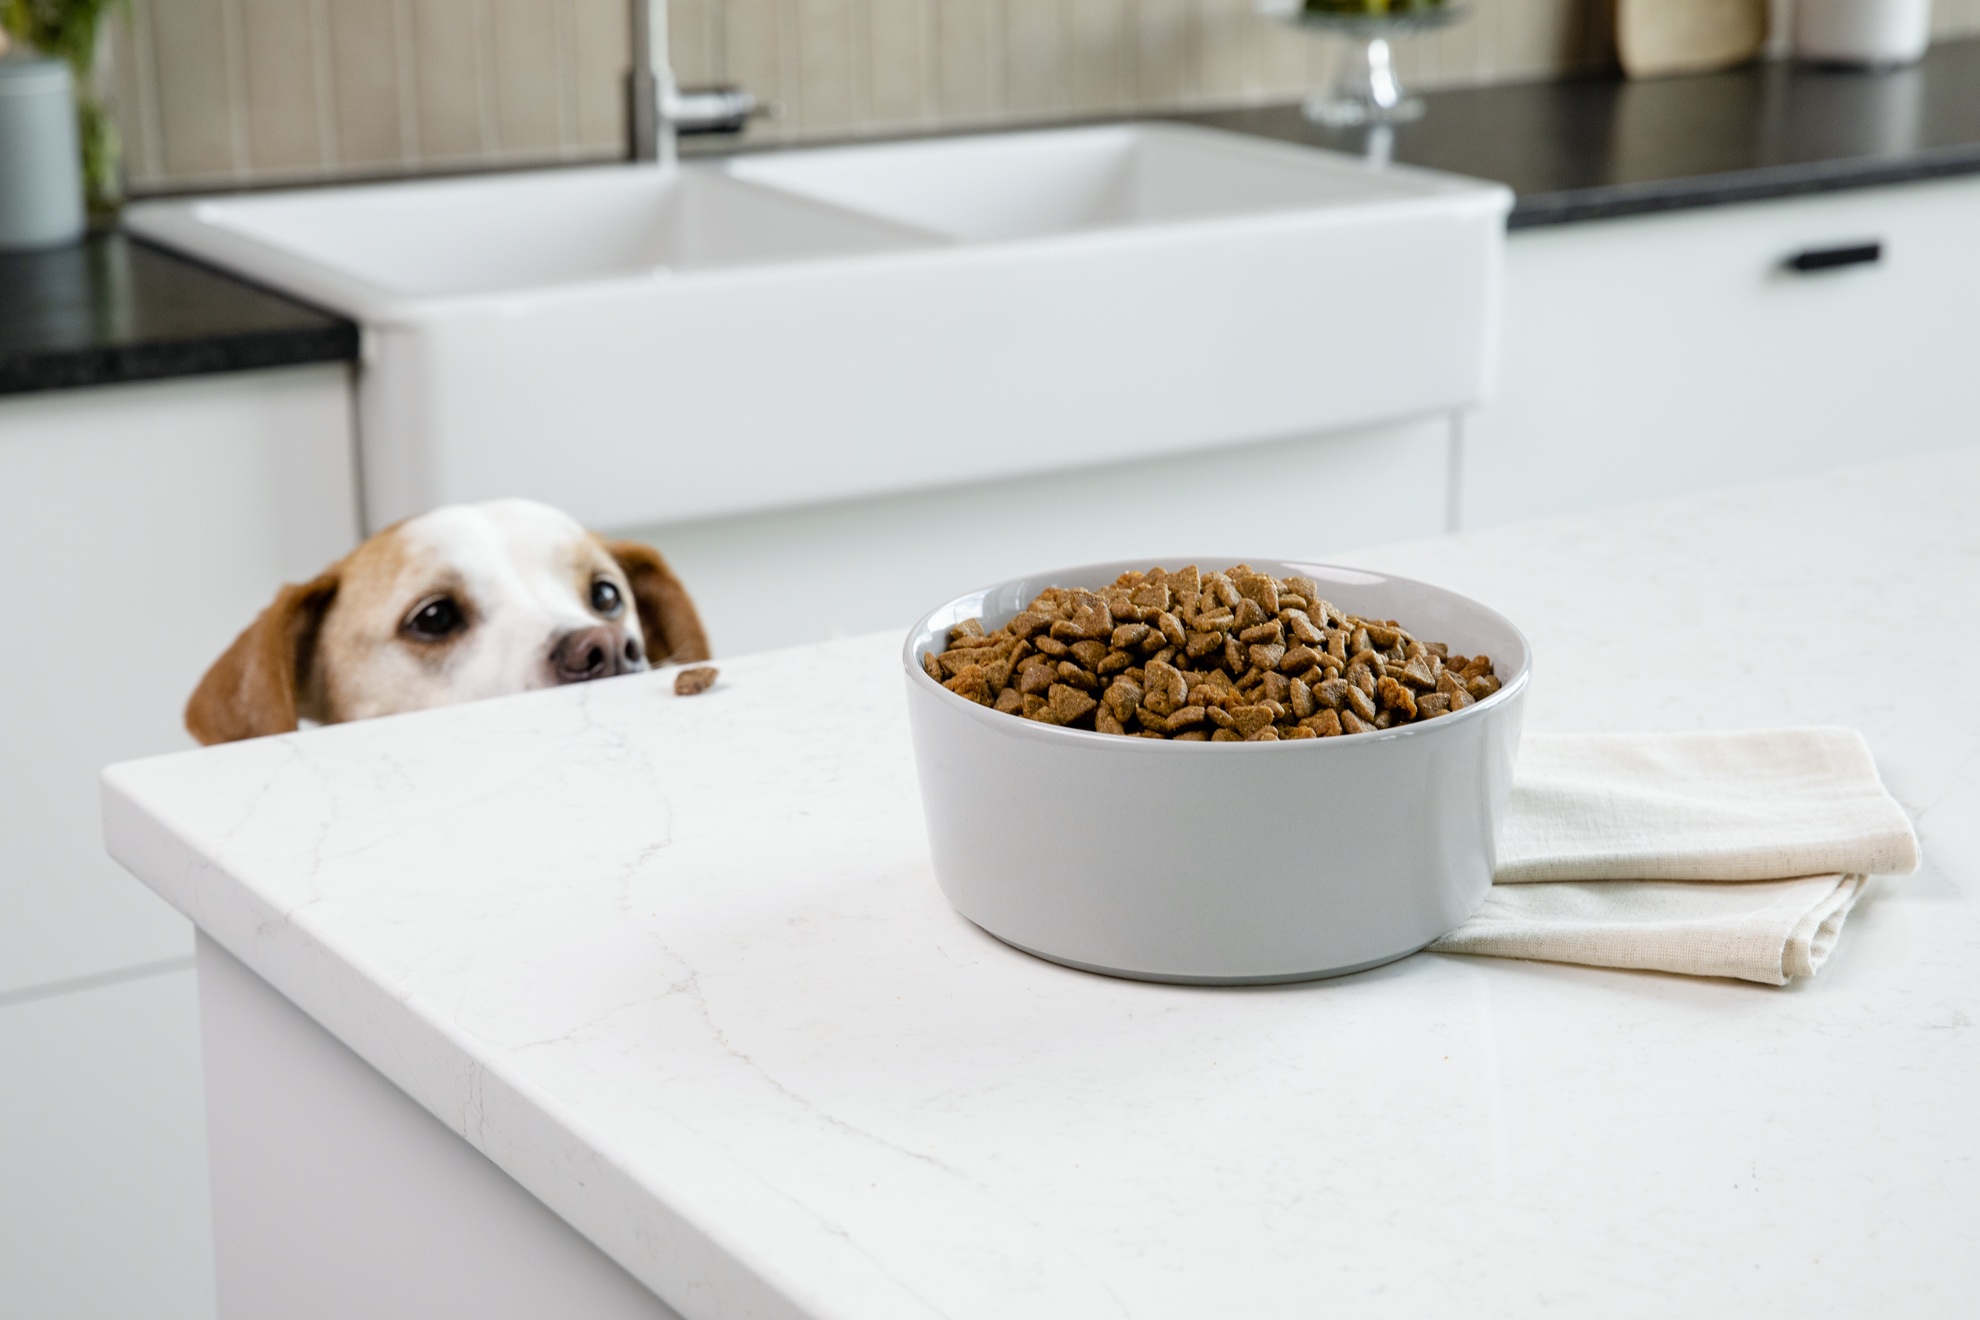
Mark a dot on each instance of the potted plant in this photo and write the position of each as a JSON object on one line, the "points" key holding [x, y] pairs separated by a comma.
{"points": [[67, 30]]}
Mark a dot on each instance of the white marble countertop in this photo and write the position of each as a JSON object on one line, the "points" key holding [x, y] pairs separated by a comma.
{"points": [[680, 968]]}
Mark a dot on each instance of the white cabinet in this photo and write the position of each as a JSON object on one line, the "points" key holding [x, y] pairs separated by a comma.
{"points": [[141, 528], [790, 576], [1664, 353]]}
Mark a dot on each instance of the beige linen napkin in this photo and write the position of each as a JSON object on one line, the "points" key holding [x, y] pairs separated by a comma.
{"points": [[1713, 854]]}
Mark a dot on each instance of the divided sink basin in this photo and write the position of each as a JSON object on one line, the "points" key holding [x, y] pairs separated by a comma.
{"points": [[640, 345], [375, 251], [1014, 186]]}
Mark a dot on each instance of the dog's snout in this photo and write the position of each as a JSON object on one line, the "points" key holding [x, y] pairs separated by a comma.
{"points": [[590, 653]]}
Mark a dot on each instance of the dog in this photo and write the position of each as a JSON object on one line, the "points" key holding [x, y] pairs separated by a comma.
{"points": [[468, 601]]}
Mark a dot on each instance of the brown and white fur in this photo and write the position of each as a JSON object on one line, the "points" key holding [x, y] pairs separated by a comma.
{"points": [[468, 601]]}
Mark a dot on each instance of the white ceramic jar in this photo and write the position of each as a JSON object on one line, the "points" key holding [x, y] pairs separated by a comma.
{"points": [[1870, 33], [1219, 863], [41, 191]]}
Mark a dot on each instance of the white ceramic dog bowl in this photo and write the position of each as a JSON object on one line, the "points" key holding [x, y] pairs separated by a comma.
{"points": [[1219, 863]]}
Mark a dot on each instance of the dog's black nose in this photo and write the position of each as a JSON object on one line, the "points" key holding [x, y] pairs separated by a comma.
{"points": [[590, 653]]}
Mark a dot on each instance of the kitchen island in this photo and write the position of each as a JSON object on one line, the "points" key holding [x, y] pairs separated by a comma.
{"points": [[629, 997]]}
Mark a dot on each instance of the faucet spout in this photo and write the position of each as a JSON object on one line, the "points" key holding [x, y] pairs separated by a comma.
{"points": [[660, 111]]}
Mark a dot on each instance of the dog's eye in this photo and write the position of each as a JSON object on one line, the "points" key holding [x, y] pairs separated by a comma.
{"points": [[435, 619], [605, 598]]}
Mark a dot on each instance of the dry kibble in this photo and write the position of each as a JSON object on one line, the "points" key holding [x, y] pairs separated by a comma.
{"points": [[972, 683], [1165, 688], [1258, 588], [1183, 719], [1299, 660], [1265, 658], [1065, 705], [1027, 625], [1250, 719], [1123, 698], [1192, 656], [1269, 631], [1395, 697], [692, 682], [1360, 703]]}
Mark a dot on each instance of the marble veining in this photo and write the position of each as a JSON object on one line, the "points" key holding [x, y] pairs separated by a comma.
{"points": [[679, 967]]}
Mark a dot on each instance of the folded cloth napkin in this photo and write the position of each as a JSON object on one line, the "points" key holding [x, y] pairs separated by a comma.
{"points": [[1714, 854]]}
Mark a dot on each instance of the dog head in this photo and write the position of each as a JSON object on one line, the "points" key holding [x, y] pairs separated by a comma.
{"points": [[467, 601]]}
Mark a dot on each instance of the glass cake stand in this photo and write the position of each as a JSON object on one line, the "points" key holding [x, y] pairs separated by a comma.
{"points": [[1365, 89]]}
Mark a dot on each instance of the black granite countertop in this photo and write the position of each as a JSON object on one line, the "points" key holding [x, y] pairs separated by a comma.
{"points": [[1591, 148], [110, 310]]}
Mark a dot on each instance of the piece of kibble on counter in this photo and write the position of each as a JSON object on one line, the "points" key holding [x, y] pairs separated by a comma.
{"points": [[690, 682], [1193, 656]]}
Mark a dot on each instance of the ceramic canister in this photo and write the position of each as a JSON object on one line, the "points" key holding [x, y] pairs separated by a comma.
{"points": [[1872, 33], [41, 191]]}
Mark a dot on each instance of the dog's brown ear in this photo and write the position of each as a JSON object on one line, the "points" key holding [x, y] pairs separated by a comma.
{"points": [[666, 612], [251, 690]]}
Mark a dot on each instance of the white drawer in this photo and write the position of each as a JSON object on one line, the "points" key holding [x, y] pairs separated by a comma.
{"points": [[1658, 354]]}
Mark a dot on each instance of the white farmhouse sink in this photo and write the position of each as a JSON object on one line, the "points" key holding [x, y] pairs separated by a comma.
{"points": [[640, 346]]}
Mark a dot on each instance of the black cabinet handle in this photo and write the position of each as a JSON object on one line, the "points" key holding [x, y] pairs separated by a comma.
{"points": [[1828, 258]]}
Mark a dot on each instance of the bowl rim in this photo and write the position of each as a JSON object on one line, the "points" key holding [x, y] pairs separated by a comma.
{"points": [[1018, 726]]}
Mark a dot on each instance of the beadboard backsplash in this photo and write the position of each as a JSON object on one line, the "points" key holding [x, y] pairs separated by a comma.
{"points": [[229, 92]]}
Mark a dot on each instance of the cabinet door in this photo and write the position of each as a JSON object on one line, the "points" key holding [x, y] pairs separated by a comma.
{"points": [[141, 528], [1659, 354]]}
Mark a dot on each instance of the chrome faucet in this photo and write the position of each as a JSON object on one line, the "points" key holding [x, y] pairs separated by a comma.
{"points": [[660, 110]]}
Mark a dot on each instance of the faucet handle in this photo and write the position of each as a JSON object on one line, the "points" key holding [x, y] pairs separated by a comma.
{"points": [[723, 109]]}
